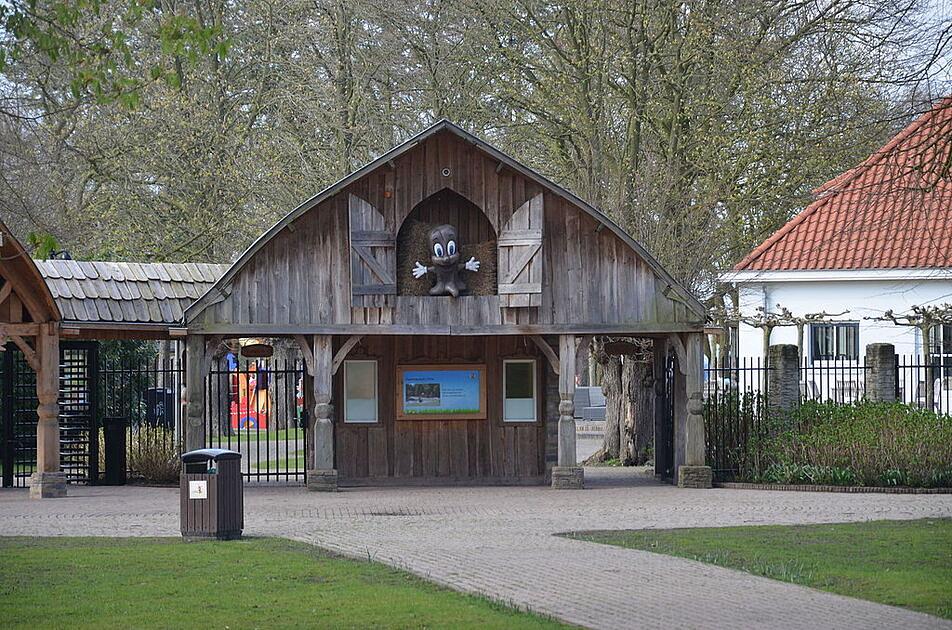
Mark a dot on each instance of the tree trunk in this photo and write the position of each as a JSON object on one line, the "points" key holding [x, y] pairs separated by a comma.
{"points": [[638, 426], [609, 373], [614, 407]]}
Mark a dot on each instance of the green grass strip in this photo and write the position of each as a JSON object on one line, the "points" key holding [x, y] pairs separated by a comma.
{"points": [[252, 583], [900, 563]]}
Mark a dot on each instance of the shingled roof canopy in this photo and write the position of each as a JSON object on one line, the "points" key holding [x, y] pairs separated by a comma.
{"points": [[126, 298], [893, 211]]}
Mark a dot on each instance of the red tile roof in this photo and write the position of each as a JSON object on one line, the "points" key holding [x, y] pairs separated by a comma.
{"points": [[893, 211]]}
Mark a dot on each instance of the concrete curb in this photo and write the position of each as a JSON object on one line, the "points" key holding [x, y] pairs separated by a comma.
{"points": [[845, 489]]}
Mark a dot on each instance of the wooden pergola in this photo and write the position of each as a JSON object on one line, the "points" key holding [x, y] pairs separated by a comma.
{"points": [[30, 319]]}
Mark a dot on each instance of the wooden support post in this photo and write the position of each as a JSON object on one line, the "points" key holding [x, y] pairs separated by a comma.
{"points": [[689, 455], [322, 475], [568, 474], [195, 370], [48, 481]]}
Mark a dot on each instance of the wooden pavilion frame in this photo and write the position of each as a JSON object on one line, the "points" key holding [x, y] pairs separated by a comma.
{"points": [[30, 319]]}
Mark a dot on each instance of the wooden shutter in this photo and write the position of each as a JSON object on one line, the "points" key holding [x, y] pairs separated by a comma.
{"points": [[520, 257], [373, 256]]}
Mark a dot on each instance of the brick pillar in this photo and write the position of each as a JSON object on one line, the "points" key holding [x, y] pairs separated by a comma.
{"points": [[881, 372], [783, 379]]}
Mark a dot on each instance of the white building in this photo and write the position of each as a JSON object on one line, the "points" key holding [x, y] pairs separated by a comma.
{"points": [[876, 238]]}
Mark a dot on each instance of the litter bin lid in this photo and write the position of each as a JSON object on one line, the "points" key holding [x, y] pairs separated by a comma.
{"points": [[205, 454]]}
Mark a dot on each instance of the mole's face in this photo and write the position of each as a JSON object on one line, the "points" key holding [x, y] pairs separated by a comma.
{"points": [[444, 246]]}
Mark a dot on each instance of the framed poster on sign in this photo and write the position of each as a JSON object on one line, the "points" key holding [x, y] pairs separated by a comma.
{"points": [[441, 392]]}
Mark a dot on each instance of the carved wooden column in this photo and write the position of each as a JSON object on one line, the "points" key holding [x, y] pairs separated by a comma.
{"points": [[689, 441], [48, 481], [322, 475], [194, 392], [568, 474]]}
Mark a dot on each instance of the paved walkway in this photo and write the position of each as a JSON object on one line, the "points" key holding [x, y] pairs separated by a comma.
{"points": [[498, 542]]}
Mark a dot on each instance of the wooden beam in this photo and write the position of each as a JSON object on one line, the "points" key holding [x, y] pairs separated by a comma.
{"points": [[344, 351], [23, 330], [567, 442], [28, 353], [680, 352], [194, 393], [646, 329], [547, 351], [305, 346], [5, 291], [211, 345]]}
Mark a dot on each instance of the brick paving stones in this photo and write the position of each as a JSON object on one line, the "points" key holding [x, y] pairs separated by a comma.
{"points": [[498, 541]]}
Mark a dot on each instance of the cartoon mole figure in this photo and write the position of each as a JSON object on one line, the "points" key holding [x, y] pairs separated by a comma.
{"points": [[447, 268]]}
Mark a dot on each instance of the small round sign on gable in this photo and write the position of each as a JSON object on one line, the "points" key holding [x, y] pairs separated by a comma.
{"points": [[445, 172]]}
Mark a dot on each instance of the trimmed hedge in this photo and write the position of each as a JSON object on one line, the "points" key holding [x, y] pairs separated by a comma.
{"points": [[869, 444]]}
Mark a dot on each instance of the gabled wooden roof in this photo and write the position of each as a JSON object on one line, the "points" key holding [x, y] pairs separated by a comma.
{"points": [[21, 272], [673, 289], [126, 292]]}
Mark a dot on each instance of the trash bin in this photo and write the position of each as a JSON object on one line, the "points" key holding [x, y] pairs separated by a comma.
{"points": [[212, 494], [114, 436]]}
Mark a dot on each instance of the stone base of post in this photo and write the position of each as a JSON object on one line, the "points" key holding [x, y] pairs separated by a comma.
{"points": [[695, 477], [47, 485], [322, 480], [568, 477]]}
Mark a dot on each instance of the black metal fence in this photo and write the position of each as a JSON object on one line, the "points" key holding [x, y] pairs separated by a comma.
{"points": [[143, 390], [257, 407], [735, 398], [734, 411], [926, 384], [17, 418], [253, 406]]}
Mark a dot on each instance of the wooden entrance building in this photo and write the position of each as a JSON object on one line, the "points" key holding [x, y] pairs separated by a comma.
{"points": [[30, 319], [476, 383]]}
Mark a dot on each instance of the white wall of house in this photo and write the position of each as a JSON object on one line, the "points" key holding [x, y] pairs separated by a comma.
{"points": [[866, 293]]}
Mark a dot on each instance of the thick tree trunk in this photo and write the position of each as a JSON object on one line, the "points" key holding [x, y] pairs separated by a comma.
{"points": [[638, 427], [614, 407]]}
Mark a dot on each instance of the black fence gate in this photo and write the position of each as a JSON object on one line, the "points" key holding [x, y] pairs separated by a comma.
{"points": [[664, 422], [257, 407], [18, 411], [79, 454], [79, 411]]}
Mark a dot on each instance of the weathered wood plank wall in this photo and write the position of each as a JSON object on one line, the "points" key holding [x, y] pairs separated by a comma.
{"points": [[487, 449], [302, 277]]}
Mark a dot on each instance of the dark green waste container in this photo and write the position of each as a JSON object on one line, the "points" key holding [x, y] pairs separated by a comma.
{"points": [[212, 495]]}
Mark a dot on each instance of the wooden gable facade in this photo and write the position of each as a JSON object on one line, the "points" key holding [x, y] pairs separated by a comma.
{"points": [[334, 274], [330, 266]]}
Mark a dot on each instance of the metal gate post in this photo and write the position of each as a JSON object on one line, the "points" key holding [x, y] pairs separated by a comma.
{"points": [[7, 444]]}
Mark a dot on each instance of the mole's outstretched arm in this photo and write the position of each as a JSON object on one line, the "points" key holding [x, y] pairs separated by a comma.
{"points": [[419, 270], [470, 265]]}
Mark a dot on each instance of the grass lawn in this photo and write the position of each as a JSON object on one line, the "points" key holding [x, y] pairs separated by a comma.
{"points": [[253, 583], [296, 462], [901, 563], [279, 435]]}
